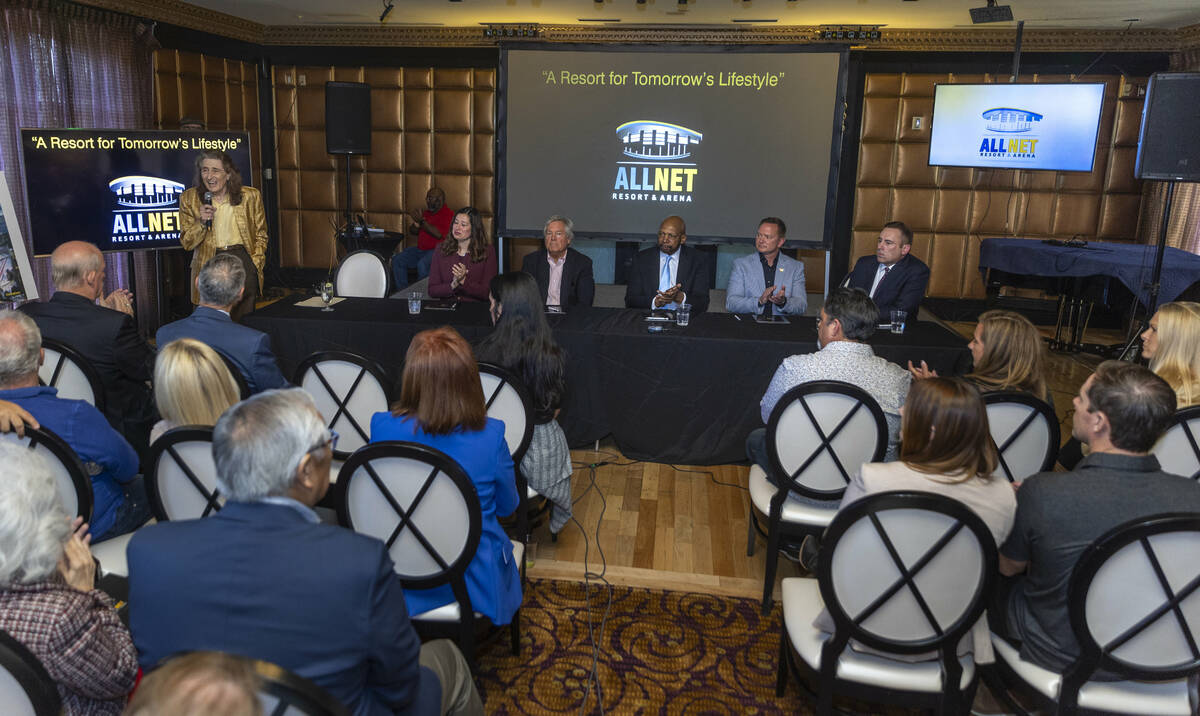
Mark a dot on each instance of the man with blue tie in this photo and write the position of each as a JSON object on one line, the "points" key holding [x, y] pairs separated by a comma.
{"points": [[893, 278], [669, 274], [767, 281]]}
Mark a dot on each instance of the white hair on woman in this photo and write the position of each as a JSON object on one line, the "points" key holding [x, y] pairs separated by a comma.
{"points": [[33, 524]]}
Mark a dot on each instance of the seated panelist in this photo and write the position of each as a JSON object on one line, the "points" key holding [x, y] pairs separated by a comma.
{"points": [[767, 282], [564, 275], [893, 278], [669, 274]]}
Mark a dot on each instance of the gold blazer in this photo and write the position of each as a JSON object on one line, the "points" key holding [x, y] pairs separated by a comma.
{"points": [[251, 222]]}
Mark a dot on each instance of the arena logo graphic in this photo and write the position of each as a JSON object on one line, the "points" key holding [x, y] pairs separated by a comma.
{"points": [[655, 170], [147, 209], [1007, 121]]}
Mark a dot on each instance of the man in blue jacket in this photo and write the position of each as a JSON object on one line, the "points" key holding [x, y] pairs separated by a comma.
{"points": [[767, 268], [220, 285], [263, 577], [892, 277]]}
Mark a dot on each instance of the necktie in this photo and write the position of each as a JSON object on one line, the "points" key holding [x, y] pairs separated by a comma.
{"points": [[664, 281], [880, 281]]}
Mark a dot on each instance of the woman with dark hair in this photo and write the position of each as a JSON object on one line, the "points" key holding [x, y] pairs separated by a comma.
{"points": [[219, 214], [465, 261], [523, 344], [441, 405]]}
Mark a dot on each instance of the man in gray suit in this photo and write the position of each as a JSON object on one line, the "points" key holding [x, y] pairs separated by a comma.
{"points": [[767, 282]]}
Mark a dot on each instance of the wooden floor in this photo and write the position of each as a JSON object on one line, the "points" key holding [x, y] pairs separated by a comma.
{"points": [[684, 528]]}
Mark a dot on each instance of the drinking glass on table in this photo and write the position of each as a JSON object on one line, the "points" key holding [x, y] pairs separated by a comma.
{"points": [[683, 314], [414, 303], [325, 291], [898, 319]]}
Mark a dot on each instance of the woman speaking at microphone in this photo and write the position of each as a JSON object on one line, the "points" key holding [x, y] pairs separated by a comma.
{"points": [[219, 214]]}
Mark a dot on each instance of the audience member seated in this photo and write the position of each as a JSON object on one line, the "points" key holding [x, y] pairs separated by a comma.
{"points": [[947, 450], [192, 386], [669, 274], [1009, 355], [119, 497], [1120, 412], [523, 343], [1172, 345], [893, 278], [48, 599], [264, 579], [441, 405], [220, 285], [564, 275], [104, 333], [430, 227], [465, 261], [199, 684], [767, 282], [847, 321]]}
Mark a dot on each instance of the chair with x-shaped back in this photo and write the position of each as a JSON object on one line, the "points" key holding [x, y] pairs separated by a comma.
{"points": [[347, 390], [818, 435], [182, 481], [71, 373], [1025, 430], [70, 476], [1132, 602], [26, 688], [285, 693], [420, 503], [1178, 450], [510, 402], [904, 573]]}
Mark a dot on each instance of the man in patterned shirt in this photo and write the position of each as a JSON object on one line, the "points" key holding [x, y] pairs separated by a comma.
{"points": [[847, 320]]}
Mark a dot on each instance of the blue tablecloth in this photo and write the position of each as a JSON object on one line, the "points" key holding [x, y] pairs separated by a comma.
{"points": [[1131, 264]]}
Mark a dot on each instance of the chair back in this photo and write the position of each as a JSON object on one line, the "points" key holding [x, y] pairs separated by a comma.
{"points": [[1178, 450], [509, 401], [182, 481], [71, 373], [1132, 602], [238, 377], [26, 688], [347, 390], [286, 693], [906, 572], [362, 273], [821, 432], [1025, 430], [70, 476], [421, 504]]}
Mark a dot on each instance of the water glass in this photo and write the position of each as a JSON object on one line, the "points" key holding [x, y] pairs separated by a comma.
{"points": [[414, 303], [898, 318], [325, 290], [683, 314]]}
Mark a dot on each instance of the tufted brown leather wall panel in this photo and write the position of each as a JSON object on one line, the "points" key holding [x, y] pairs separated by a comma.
{"points": [[428, 126], [951, 209], [224, 93]]}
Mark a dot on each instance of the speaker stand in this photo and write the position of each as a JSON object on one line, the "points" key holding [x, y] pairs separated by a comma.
{"points": [[1156, 275]]}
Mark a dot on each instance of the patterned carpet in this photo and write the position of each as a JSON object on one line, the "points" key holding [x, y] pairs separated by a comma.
{"points": [[660, 652]]}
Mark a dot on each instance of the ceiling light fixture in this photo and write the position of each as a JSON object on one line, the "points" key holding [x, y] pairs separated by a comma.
{"points": [[388, 6], [991, 13]]}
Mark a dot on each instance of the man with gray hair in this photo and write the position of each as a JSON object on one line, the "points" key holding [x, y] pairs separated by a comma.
{"points": [[103, 331], [847, 320], [564, 275], [220, 284], [119, 497], [263, 577]]}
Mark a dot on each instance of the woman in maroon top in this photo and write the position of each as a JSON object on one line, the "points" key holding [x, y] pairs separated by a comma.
{"points": [[465, 262]]}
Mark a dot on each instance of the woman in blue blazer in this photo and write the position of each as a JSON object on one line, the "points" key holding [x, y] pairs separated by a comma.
{"points": [[441, 405]]}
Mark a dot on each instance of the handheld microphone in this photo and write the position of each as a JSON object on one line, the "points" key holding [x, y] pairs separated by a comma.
{"points": [[208, 202]]}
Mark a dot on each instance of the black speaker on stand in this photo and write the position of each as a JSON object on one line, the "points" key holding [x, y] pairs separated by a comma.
{"points": [[1167, 152], [348, 132]]}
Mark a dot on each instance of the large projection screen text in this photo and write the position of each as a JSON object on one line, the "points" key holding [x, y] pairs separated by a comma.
{"points": [[619, 140]]}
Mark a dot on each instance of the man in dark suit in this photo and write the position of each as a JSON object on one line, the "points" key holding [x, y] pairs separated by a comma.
{"points": [[894, 279], [669, 274], [103, 333], [564, 275], [263, 578], [220, 285]]}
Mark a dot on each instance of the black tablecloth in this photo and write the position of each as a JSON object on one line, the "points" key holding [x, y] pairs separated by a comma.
{"points": [[687, 395]]}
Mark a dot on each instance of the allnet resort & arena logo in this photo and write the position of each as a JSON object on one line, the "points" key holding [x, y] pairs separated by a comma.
{"points": [[655, 169], [1008, 121], [147, 208]]}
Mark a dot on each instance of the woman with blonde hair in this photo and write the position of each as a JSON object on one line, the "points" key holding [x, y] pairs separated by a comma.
{"points": [[1172, 344], [1008, 355], [192, 386]]}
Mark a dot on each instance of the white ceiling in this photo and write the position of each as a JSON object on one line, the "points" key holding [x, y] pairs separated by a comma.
{"points": [[894, 14]]}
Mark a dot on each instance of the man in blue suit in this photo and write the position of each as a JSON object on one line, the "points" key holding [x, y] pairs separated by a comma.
{"points": [[767, 282], [263, 578], [670, 273], [220, 285], [892, 278]]}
